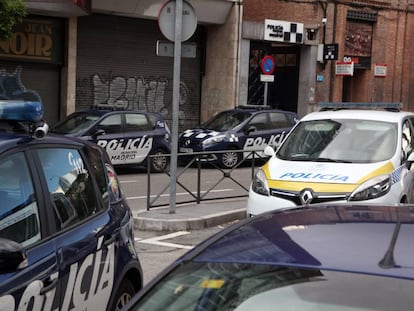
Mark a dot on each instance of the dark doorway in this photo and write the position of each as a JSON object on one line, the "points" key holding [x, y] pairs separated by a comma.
{"points": [[346, 89], [283, 92]]}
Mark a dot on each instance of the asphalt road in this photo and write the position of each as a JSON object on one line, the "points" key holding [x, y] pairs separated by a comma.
{"points": [[158, 249], [211, 184]]}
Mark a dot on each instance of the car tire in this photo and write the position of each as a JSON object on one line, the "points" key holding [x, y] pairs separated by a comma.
{"points": [[160, 162], [124, 294], [230, 159]]}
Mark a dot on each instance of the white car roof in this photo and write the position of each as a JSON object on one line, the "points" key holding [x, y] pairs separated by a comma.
{"points": [[378, 115]]}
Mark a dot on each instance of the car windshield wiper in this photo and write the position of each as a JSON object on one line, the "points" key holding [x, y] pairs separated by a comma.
{"points": [[330, 160]]}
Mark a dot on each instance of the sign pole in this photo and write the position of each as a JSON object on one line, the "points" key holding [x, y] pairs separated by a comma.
{"points": [[175, 103], [265, 93], [176, 26]]}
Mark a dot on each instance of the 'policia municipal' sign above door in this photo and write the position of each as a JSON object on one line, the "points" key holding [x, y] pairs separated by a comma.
{"points": [[283, 31]]}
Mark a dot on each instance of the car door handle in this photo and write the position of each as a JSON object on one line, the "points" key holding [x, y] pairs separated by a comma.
{"points": [[111, 239], [50, 284]]}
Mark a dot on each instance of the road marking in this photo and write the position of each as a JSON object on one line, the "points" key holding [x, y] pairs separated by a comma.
{"points": [[178, 193], [127, 181], [157, 240]]}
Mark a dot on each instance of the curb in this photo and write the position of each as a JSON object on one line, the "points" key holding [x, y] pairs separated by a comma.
{"points": [[176, 224]]}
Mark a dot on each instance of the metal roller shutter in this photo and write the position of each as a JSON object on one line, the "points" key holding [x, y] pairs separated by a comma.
{"points": [[117, 65]]}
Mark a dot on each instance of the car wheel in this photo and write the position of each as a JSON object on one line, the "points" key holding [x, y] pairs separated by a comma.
{"points": [[230, 159], [159, 162], [124, 294]]}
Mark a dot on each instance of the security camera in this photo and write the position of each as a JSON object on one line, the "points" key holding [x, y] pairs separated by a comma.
{"points": [[41, 131], [324, 20]]}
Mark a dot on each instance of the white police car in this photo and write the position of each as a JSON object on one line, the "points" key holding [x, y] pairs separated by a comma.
{"points": [[339, 156], [66, 231], [244, 128], [128, 136]]}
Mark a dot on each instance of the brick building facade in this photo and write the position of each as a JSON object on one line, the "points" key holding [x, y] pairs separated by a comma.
{"points": [[378, 36]]}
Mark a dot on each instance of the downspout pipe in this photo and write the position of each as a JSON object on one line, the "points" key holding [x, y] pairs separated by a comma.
{"points": [[239, 27]]}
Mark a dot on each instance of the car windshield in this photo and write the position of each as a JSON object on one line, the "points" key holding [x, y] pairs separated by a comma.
{"points": [[245, 287], [357, 141], [225, 120], [74, 123]]}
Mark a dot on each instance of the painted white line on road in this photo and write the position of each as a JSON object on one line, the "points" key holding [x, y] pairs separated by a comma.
{"points": [[157, 240], [127, 181], [178, 193]]}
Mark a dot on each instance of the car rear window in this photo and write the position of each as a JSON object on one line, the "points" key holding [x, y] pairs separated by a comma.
{"points": [[137, 122]]}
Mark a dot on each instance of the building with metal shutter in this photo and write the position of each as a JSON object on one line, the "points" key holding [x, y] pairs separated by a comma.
{"points": [[108, 56], [105, 52], [117, 65]]}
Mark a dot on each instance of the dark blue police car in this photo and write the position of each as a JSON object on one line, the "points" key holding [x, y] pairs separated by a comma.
{"points": [[66, 231], [321, 257], [128, 136], [249, 129]]}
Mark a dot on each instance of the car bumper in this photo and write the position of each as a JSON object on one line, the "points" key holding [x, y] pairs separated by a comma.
{"points": [[258, 204]]}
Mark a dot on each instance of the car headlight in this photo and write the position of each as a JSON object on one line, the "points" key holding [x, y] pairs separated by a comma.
{"points": [[373, 188], [213, 140], [259, 183]]}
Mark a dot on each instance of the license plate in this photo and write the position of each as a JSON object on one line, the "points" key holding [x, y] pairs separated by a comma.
{"points": [[186, 150]]}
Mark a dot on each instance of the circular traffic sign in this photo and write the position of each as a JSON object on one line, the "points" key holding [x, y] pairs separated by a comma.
{"points": [[268, 65], [166, 20]]}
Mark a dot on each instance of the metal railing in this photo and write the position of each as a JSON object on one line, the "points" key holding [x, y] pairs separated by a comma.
{"points": [[201, 161]]}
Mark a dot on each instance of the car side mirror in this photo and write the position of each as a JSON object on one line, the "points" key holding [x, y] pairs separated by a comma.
{"points": [[98, 132], [269, 151], [251, 129], [12, 256], [410, 160]]}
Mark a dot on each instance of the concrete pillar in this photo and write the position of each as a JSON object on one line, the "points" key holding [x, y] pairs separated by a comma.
{"points": [[68, 78]]}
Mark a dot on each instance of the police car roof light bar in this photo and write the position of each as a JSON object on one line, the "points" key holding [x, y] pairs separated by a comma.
{"points": [[362, 105], [23, 115], [19, 110]]}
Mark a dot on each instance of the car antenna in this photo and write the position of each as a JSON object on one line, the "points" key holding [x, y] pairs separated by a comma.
{"points": [[388, 261]]}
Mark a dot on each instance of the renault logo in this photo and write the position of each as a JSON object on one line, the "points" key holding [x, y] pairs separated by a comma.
{"points": [[187, 142], [306, 196]]}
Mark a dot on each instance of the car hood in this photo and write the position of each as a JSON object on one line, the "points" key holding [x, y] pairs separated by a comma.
{"points": [[325, 172]]}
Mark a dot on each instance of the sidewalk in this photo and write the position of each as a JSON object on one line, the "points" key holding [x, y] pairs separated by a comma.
{"points": [[191, 216]]}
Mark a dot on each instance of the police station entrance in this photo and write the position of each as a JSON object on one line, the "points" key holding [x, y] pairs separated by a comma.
{"points": [[283, 92]]}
